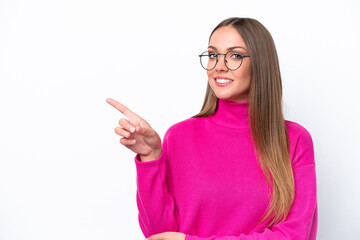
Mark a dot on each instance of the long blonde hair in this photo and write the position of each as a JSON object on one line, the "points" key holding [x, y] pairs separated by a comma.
{"points": [[267, 123]]}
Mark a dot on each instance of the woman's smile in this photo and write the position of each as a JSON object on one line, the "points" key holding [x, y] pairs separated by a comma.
{"points": [[222, 82]]}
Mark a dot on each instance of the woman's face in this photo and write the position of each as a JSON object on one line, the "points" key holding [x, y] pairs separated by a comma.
{"points": [[223, 40]]}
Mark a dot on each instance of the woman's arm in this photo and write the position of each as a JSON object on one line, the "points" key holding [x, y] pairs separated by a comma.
{"points": [[156, 205]]}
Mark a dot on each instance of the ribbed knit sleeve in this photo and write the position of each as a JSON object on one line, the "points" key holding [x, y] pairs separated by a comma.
{"points": [[157, 211], [301, 223]]}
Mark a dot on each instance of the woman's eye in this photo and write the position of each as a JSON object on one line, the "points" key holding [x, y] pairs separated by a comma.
{"points": [[236, 56], [212, 55]]}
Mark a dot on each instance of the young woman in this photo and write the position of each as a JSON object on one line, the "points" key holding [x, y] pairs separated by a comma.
{"points": [[237, 170]]}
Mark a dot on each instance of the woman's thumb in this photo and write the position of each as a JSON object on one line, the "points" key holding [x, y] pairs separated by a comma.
{"points": [[142, 130]]}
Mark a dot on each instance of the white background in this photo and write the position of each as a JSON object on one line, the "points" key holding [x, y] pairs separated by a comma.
{"points": [[63, 172]]}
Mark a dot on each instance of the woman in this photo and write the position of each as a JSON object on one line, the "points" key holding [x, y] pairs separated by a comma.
{"points": [[237, 170]]}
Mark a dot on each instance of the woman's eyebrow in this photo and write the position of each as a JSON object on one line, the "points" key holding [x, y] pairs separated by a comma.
{"points": [[230, 48]]}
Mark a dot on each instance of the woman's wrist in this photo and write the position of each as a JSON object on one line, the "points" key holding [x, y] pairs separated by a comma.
{"points": [[152, 156]]}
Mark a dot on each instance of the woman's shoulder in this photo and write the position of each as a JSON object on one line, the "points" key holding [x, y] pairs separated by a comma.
{"points": [[301, 144], [296, 129], [183, 126], [298, 132]]}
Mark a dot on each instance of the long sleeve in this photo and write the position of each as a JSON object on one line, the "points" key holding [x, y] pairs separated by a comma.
{"points": [[156, 205], [301, 223]]}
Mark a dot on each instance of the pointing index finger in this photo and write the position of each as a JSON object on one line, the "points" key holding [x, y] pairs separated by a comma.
{"points": [[121, 107]]}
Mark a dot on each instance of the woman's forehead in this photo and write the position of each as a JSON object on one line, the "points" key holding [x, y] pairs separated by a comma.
{"points": [[226, 37]]}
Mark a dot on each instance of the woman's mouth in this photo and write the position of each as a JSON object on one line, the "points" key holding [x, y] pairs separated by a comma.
{"points": [[222, 82]]}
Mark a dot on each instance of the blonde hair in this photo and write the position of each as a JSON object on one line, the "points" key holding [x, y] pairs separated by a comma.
{"points": [[267, 123]]}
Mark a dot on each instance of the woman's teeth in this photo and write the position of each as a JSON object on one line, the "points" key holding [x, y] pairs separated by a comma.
{"points": [[223, 80]]}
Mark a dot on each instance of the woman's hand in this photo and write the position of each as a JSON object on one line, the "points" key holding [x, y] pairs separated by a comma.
{"points": [[137, 134], [167, 236]]}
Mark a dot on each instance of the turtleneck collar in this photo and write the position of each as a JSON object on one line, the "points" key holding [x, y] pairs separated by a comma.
{"points": [[232, 114]]}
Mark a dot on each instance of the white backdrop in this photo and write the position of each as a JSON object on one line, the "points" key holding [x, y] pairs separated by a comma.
{"points": [[64, 173]]}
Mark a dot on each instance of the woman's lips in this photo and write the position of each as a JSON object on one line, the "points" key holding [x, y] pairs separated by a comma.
{"points": [[223, 84]]}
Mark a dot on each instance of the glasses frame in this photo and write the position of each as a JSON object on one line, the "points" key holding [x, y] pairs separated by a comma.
{"points": [[225, 61]]}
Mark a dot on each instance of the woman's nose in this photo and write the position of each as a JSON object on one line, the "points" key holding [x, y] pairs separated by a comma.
{"points": [[221, 66]]}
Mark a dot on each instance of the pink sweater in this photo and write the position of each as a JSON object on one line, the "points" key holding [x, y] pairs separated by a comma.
{"points": [[208, 184]]}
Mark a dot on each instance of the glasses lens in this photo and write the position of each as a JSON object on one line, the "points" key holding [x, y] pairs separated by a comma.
{"points": [[208, 60], [233, 60]]}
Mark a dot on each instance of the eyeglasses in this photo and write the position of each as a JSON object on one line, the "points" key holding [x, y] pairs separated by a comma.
{"points": [[233, 60]]}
